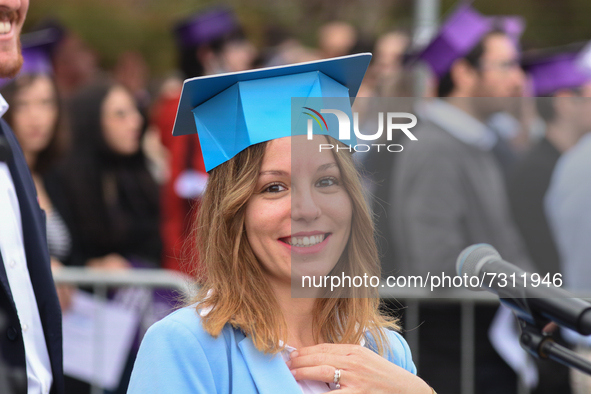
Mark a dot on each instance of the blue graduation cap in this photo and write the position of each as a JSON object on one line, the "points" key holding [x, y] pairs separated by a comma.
{"points": [[233, 111]]}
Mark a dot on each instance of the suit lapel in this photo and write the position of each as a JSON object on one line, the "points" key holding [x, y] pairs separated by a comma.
{"points": [[32, 221], [37, 254], [5, 286], [3, 276], [270, 374]]}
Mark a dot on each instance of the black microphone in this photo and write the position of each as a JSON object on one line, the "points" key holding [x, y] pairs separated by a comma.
{"points": [[531, 297], [5, 151]]}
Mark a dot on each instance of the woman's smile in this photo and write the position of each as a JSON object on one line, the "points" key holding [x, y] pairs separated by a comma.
{"points": [[301, 213], [306, 242]]}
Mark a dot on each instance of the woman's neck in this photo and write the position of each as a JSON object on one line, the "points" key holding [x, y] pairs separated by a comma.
{"points": [[298, 314], [31, 158]]}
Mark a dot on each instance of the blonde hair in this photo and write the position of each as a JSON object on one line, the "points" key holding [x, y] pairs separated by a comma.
{"points": [[234, 287]]}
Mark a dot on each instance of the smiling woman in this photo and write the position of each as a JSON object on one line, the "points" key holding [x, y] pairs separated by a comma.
{"points": [[276, 208], [299, 216]]}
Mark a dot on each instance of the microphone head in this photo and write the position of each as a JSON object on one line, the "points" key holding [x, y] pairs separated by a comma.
{"points": [[472, 258]]}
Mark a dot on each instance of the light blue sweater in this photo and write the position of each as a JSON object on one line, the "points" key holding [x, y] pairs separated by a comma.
{"points": [[178, 356]]}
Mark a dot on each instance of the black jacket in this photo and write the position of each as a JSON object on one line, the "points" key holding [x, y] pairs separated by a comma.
{"points": [[12, 350]]}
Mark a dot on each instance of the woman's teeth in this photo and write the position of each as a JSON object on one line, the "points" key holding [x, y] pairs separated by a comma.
{"points": [[4, 27], [305, 241]]}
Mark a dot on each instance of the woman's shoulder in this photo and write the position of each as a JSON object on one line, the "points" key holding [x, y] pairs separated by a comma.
{"points": [[185, 324], [178, 355]]}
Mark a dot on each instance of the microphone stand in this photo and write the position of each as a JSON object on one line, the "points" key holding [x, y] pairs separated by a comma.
{"points": [[535, 342]]}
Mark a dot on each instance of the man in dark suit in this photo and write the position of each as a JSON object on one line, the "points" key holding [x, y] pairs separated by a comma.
{"points": [[30, 316]]}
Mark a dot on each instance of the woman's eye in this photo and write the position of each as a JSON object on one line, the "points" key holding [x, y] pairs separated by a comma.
{"points": [[328, 181], [274, 188]]}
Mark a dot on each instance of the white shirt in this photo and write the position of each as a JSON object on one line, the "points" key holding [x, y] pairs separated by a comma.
{"points": [[307, 386], [39, 375]]}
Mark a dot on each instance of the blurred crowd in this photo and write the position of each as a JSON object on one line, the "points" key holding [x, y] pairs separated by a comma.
{"points": [[120, 193]]}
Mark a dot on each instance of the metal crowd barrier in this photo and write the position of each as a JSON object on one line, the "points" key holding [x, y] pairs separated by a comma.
{"points": [[98, 279], [101, 281], [467, 299]]}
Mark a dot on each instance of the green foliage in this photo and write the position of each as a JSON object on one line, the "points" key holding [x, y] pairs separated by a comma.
{"points": [[114, 26]]}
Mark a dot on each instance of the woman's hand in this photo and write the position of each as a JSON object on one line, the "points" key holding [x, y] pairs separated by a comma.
{"points": [[362, 370]]}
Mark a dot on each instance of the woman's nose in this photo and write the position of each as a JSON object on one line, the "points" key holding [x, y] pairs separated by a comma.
{"points": [[304, 207]]}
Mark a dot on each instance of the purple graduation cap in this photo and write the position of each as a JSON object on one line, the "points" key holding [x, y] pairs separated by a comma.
{"points": [[459, 34], [512, 25], [204, 27], [36, 55], [565, 68], [36, 61]]}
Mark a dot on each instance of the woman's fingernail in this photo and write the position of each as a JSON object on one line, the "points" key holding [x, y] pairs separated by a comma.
{"points": [[288, 362], [293, 372], [294, 353]]}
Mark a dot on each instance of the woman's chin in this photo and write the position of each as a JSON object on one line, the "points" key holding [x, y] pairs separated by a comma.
{"points": [[310, 269]]}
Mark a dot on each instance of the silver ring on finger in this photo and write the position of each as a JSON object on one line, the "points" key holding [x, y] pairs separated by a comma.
{"points": [[337, 378]]}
